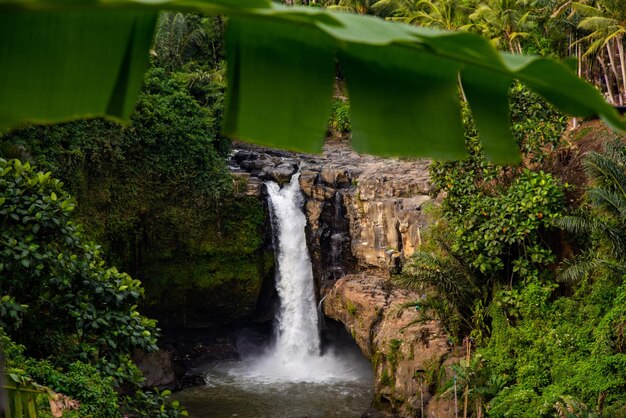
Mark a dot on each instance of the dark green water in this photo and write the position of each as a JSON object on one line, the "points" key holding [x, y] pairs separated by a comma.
{"points": [[332, 386]]}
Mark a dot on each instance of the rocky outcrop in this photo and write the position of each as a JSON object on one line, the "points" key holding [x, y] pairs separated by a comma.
{"points": [[363, 212], [157, 369], [406, 351]]}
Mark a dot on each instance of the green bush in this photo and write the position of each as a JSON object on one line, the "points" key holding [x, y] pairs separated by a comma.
{"points": [[49, 268], [543, 348], [340, 117], [74, 320], [564, 347], [97, 394]]}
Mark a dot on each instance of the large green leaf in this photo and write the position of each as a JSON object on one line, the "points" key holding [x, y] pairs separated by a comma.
{"points": [[280, 83], [57, 65], [488, 96], [414, 113], [402, 80]]}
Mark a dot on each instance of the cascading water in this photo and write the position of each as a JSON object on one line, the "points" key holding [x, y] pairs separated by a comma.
{"points": [[297, 336], [291, 377], [295, 355]]}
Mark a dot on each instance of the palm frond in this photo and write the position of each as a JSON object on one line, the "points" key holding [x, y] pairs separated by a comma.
{"points": [[574, 270], [605, 171], [445, 274], [385, 7], [585, 9], [339, 8], [614, 203], [560, 8], [615, 241], [597, 23], [576, 224], [615, 267]]}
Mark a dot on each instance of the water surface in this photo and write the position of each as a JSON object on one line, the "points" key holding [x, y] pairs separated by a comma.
{"points": [[334, 386]]}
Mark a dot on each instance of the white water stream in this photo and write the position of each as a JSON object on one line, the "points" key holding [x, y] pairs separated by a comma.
{"points": [[296, 354], [297, 320]]}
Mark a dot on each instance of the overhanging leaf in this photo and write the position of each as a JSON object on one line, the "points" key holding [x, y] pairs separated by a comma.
{"points": [[488, 97], [303, 43], [57, 65], [558, 84], [280, 82], [416, 112]]}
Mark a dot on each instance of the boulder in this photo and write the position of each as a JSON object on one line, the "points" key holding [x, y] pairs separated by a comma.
{"points": [[157, 369]]}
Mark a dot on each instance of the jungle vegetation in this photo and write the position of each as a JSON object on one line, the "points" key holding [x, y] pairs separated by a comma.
{"points": [[507, 285], [527, 275], [84, 203]]}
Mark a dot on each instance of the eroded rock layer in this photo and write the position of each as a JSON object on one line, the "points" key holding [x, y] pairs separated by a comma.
{"points": [[406, 351], [370, 206]]}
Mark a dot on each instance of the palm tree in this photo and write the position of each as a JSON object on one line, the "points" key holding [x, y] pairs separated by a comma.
{"points": [[440, 14], [505, 22], [181, 37], [449, 288], [605, 223], [359, 6], [170, 38], [606, 22]]}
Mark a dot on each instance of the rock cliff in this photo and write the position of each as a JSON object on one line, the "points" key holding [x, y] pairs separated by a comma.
{"points": [[407, 353], [366, 209]]}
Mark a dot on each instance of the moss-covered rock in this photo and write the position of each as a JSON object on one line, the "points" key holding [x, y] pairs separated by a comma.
{"points": [[210, 273]]}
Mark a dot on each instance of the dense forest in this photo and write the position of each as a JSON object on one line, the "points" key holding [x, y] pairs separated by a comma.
{"points": [[525, 265], [155, 195]]}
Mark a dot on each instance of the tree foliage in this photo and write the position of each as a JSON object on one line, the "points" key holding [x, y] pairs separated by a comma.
{"points": [[43, 248], [603, 222], [128, 179], [74, 310], [492, 225], [543, 347]]}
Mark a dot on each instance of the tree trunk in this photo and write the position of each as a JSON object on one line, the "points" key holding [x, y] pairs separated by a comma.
{"points": [[620, 50], [607, 80], [579, 55], [468, 346], [611, 53]]}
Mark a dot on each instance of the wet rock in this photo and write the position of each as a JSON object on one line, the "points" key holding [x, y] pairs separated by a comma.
{"points": [[243, 155], [157, 369], [192, 379], [308, 178], [280, 173], [374, 413]]}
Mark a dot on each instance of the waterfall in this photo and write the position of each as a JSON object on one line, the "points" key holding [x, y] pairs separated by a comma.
{"points": [[296, 354], [297, 319]]}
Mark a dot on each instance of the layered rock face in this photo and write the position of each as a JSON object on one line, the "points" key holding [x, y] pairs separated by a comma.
{"points": [[406, 352], [366, 209]]}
